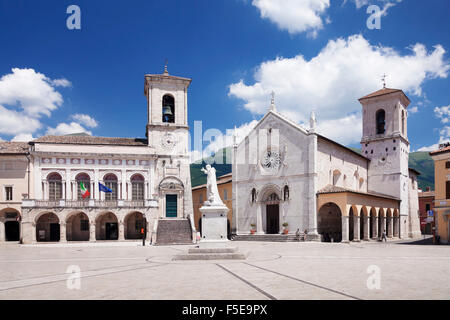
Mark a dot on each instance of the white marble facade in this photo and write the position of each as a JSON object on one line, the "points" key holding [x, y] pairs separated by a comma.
{"points": [[281, 168]]}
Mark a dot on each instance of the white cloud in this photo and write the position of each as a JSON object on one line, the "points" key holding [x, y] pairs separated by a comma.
{"points": [[65, 128], [413, 110], [222, 140], [61, 83], [332, 81], [23, 137], [29, 91], [295, 16], [443, 113], [346, 130], [385, 3], [85, 120], [14, 122]]}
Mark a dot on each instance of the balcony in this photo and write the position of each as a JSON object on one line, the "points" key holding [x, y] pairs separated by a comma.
{"points": [[30, 203]]}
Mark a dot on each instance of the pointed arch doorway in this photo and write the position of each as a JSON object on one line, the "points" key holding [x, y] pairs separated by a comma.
{"points": [[273, 214]]}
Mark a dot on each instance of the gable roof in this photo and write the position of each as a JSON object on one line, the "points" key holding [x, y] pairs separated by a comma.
{"points": [[90, 140], [335, 189], [383, 92]]}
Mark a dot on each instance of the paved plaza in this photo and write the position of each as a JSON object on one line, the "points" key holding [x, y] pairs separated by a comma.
{"points": [[271, 271]]}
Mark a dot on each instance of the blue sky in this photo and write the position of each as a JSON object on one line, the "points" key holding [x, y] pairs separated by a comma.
{"points": [[315, 54]]}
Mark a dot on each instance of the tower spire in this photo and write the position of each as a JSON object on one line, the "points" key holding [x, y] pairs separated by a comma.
{"points": [[272, 102]]}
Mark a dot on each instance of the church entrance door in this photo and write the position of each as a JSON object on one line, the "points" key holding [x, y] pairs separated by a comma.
{"points": [[171, 206], [273, 219]]}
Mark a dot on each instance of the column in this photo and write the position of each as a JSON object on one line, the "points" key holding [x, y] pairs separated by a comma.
{"points": [[62, 232], [124, 184], [68, 185], [92, 190], [128, 195], [92, 232], [74, 190], [45, 195], [121, 231], [2, 232], [146, 190], [396, 227], [383, 225], [390, 226], [64, 190], [345, 229], [375, 228], [366, 226], [356, 229], [259, 227], [33, 232]]}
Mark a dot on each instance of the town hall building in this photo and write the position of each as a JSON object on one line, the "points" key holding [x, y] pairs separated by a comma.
{"points": [[52, 186], [288, 177]]}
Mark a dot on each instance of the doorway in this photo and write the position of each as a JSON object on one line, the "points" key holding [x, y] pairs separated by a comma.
{"points": [[171, 206], [54, 232], [111, 231], [273, 219], [12, 231]]}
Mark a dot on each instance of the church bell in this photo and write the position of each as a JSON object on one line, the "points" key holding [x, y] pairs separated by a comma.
{"points": [[167, 111]]}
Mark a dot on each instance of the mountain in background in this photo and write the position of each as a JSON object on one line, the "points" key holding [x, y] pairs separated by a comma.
{"points": [[420, 161]]}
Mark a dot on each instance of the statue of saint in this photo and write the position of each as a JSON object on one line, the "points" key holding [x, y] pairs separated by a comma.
{"points": [[212, 193]]}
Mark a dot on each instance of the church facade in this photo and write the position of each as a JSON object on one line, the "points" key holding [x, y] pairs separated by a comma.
{"points": [[148, 180], [292, 179]]}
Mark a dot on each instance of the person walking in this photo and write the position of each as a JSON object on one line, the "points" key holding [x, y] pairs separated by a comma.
{"points": [[383, 237]]}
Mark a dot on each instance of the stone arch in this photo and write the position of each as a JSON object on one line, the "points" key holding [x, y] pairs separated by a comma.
{"points": [[364, 222], [267, 190], [353, 216], [77, 226], [329, 222], [11, 218], [373, 232], [168, 108], [133, 222], [106, 226], [381, 221], [47, 227]]}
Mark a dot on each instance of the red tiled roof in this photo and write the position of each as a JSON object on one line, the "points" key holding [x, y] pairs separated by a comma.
{"points": [[14, 147], [335, 189], [446, 149], [382, 92], [89, 140]]}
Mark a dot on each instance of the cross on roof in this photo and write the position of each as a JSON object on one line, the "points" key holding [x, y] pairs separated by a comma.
{"points": [[383, 78]]}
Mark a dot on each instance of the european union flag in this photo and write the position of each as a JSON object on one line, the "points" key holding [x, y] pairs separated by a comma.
{"points": [[104, 188]]}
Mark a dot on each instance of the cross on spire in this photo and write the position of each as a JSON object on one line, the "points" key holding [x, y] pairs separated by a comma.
{"points": [[272, 101], [383, 78], [165, 66]]}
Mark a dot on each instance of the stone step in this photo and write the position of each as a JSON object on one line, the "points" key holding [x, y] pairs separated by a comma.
{"points": [[210, 256], [212, 250], [269, 237], [173, 231]]}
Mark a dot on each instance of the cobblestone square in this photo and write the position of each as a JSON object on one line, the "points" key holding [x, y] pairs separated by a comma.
{"points": [[272, 270]]}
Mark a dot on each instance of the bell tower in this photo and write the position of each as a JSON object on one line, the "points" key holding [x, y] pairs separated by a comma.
{"points": [[385, 143], [167, 123]]}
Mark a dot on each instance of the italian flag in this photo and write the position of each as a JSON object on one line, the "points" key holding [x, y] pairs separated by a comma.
{"points": [[84, 192]]}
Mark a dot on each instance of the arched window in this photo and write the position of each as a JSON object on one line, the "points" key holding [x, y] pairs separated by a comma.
{"points": [[381, 121], [111, 182], [83, 178], [137, 186], [286, 193], [403, 121], [54, 187], [253, 195], [168, 109]]}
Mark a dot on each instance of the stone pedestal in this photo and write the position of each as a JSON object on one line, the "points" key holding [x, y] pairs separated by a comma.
{"points": [[214, 227]]}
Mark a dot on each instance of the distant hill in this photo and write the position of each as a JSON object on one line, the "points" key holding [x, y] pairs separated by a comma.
{"points": [[420, 161]]}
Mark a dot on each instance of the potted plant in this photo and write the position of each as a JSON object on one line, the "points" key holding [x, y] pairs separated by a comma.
{"points": [[252, 230], [285, 230]]}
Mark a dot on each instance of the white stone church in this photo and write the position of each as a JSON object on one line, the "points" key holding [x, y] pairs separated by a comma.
{"points": [[286, 174]]}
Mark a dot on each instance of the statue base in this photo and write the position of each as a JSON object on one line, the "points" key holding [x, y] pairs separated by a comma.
{"points": [[214, 226]]}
